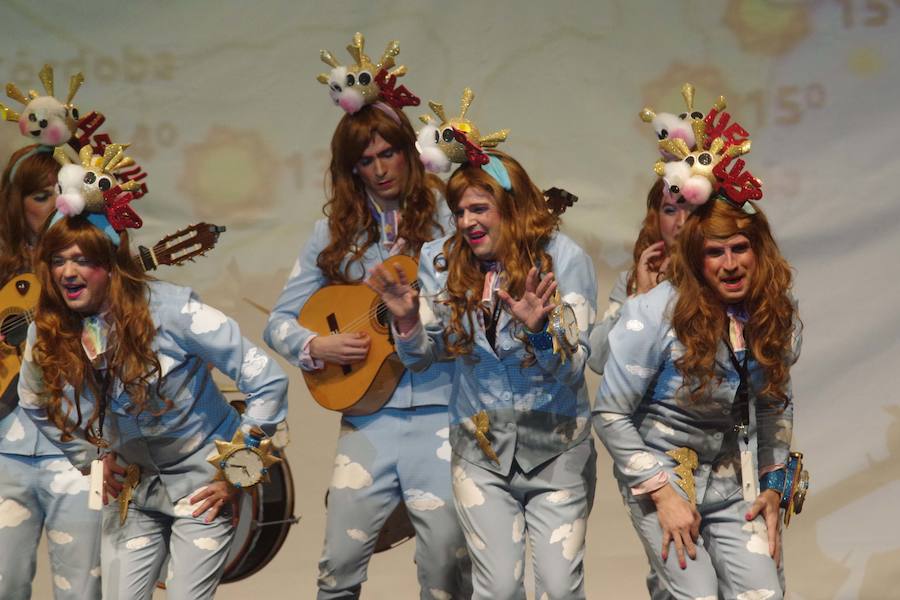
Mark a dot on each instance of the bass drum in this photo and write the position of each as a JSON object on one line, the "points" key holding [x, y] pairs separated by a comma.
{"points": [[266, 516]]}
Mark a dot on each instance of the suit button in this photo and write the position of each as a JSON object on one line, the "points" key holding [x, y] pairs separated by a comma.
{"points": [[718, 435], [726, 411], [507, 345], [506, 396]]}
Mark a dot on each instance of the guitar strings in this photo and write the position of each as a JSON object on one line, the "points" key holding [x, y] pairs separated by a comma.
{"points": [[379, 310]]}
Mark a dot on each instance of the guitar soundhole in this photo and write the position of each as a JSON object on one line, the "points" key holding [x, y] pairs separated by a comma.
{"points": [[382, 317], [22, 287], [15, 328]]}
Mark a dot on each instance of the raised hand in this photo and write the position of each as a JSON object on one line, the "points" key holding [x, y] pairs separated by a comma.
{"points": [[400, 298], [651, 267], [536, 302]]}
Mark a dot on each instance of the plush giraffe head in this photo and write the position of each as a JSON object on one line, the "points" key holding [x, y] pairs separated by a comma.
{"points": [[669, 126], [353, 86], [45, 120], [443, 137], [85, 186]]}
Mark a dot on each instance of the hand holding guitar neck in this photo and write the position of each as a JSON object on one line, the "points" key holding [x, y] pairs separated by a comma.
{"points": [[397, 294]]}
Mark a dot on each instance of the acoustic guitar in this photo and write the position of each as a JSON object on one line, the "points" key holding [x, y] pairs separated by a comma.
{"points": [[363, 387], [20, 295]]}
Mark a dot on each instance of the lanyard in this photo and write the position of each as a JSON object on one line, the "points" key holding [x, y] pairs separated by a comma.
{"points": [[104, 380], [491, 330], [489, 294], [743, 391]]}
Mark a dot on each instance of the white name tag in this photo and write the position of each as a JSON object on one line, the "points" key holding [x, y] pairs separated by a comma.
{"points": [[95, 494], [749, 482]]}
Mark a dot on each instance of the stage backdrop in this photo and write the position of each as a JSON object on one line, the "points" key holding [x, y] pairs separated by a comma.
{"points": [[221, 104]]}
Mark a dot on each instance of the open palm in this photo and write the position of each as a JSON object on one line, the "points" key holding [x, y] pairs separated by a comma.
{"points": [[536, 302]]}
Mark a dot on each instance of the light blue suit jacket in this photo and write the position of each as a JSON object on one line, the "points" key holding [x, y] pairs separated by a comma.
{"points": [[174, 444], [536, 412], [642, 409], [288, 338]]}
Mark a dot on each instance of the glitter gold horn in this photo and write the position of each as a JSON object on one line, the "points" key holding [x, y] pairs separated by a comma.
{"points": [[14, 93], [46, 77], [357, 48], [465, 102], [687, 92], [8, 114], [438, 110], [85, 155], [387, 59], [75, 82], [61, 157], [699, 128], [647, 115]]}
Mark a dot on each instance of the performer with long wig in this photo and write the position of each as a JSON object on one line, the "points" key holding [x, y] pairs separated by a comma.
{"points": [[695, 406], [41, 490], [381, 203], [117, 365], [510, 300]]}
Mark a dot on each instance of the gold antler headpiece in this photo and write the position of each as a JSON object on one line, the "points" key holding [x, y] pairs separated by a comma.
{"points": [[45, 120], [695, 172], [354, 86], [91, 188], [445, 137]]}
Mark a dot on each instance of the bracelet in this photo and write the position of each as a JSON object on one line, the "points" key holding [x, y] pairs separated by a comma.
{"points": [[541, 340], [774, 480]]}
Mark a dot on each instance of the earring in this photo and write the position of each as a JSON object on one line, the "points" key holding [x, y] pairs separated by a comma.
{"points": [[355, 172]]}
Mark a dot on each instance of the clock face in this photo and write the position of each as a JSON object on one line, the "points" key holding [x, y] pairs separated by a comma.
{"points": [[570, 324], [243, 468]]}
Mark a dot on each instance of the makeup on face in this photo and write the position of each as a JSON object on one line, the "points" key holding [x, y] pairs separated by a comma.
{"points": [[672, 215], [729, 266], [37, 207], [382, 169], [478, 219], [81, 281]]}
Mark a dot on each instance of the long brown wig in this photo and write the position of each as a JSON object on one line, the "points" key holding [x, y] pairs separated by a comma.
{"points": [[347, 210], [58, 350], [525, 229], [33, 174], [649, 234], [698, 316]]}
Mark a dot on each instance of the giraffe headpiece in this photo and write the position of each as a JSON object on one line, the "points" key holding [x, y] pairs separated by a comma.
{"points": [[706, 163], [90, 188], [45, 120], [454, 140], [353, 86], [670, 126]]}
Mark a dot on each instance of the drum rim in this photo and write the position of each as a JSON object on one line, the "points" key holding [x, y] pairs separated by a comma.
{"points": [[284, 528]]}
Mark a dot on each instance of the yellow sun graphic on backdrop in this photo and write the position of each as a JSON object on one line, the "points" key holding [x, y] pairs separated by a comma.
{"points": [[766, 27], [230, 176]]}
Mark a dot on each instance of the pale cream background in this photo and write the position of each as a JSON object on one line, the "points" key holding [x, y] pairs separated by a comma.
{"points": [[221, 103]]}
